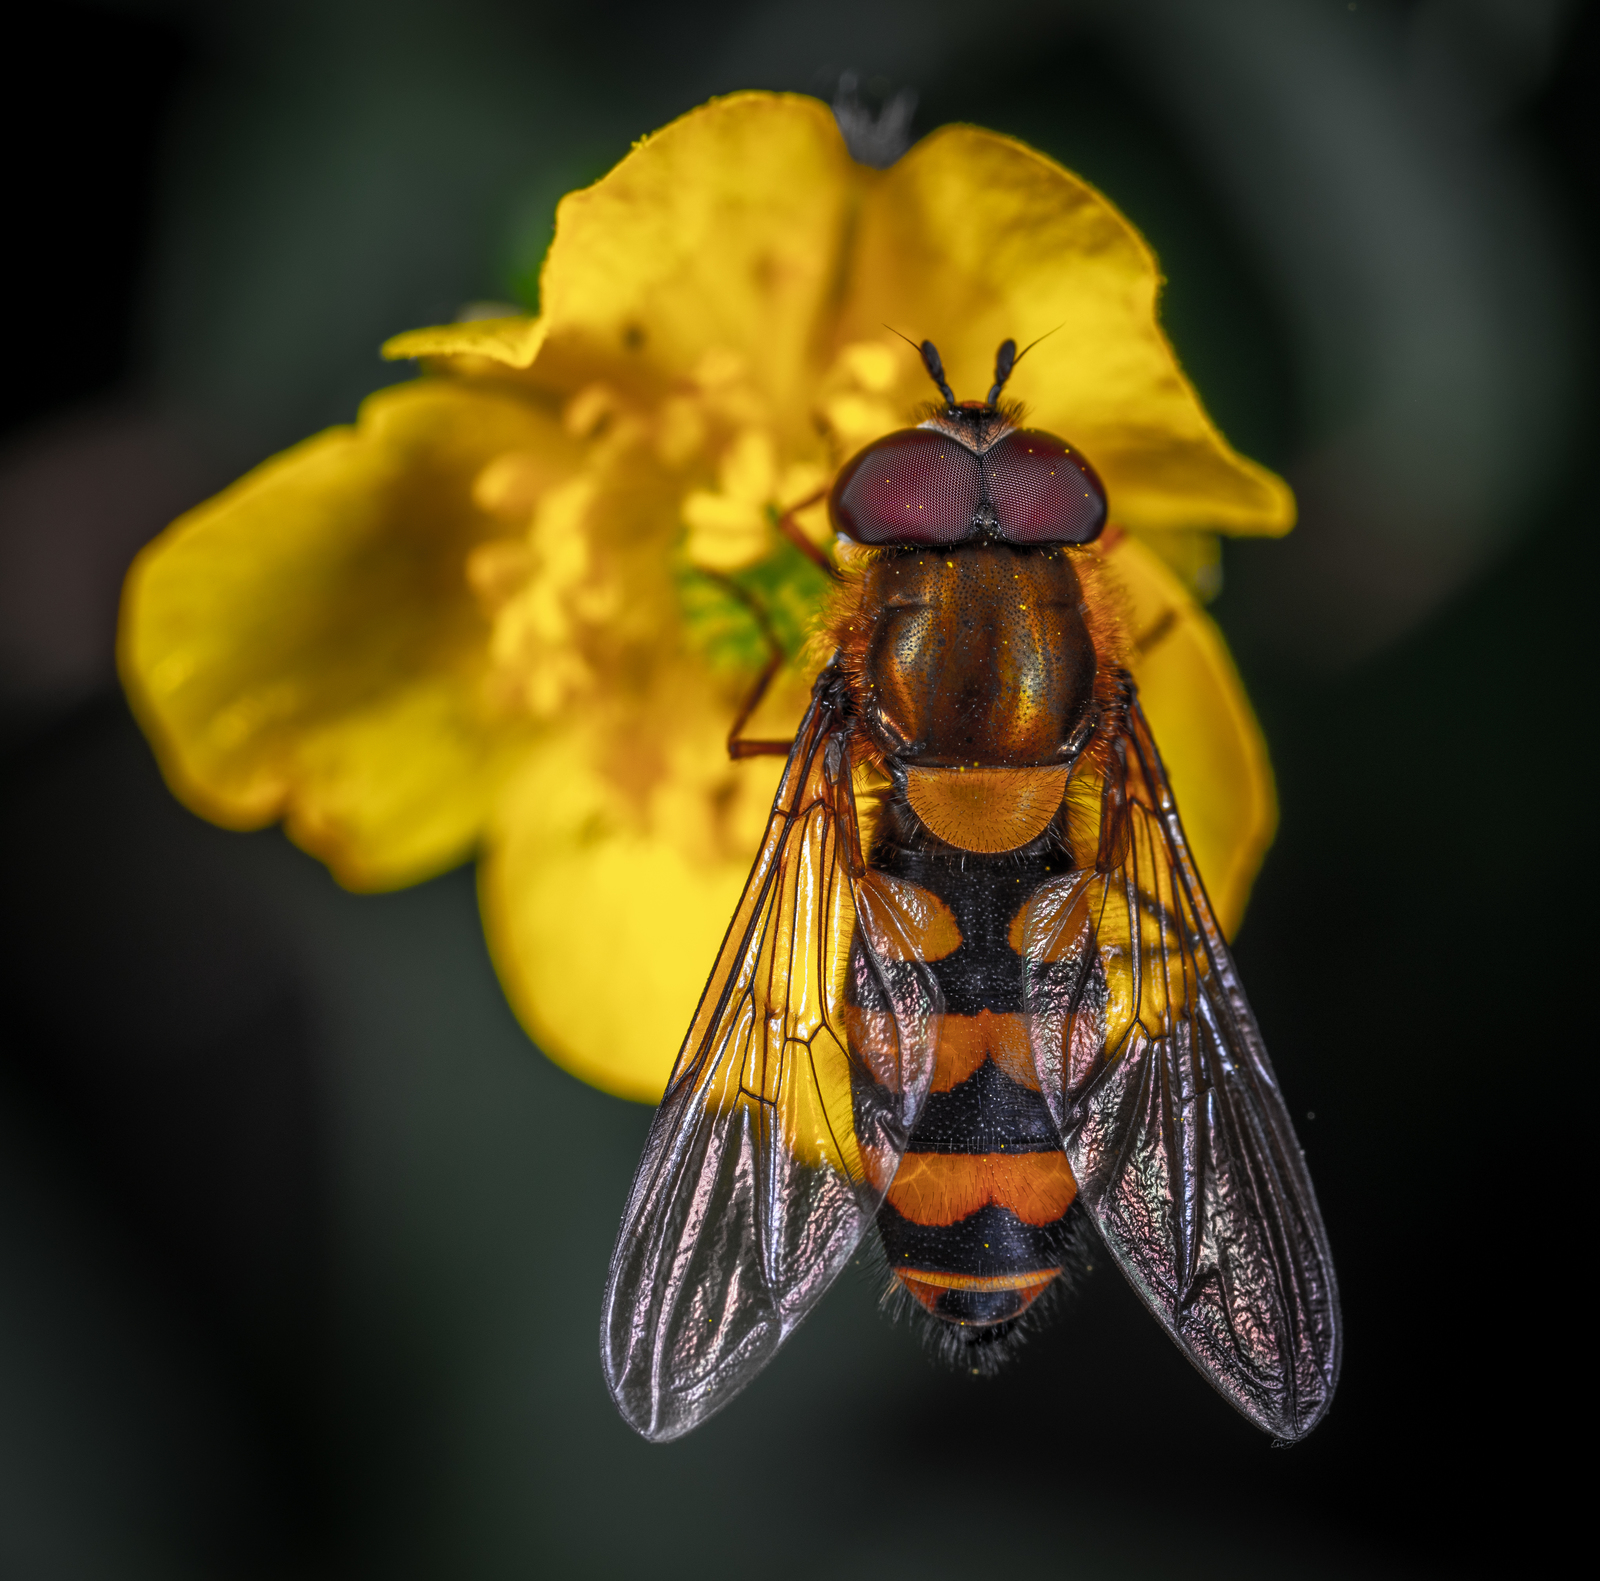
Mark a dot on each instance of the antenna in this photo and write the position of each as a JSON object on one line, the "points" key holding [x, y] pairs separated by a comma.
{"points": [[930, 360], [1007, 357], [1004, 361]]}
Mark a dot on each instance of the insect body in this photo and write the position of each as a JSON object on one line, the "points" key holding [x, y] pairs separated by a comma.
{"points": [[974, 998], [981, 670]]}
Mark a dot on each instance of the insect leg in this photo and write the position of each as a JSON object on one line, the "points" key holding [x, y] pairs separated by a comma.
{"points": [[790, 528], [1157, 633], [738, 748], [837, 769]]}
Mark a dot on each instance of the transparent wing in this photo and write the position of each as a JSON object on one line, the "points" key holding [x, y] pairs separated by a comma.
{"points": [[774, 1142], [1152, 1064]]}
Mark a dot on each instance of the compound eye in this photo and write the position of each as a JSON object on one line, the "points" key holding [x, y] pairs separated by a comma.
{"points": [[917, 486], [1042, 490]]}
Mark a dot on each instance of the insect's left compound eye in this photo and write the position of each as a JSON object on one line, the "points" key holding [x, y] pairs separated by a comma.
{"points": [[1043, 491], [917, 486]]}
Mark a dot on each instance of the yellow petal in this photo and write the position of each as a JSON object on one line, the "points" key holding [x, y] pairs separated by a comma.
{"points": [[604, 927], [511, 485], [1194, 556], [857, 420], [513, 341], [719, 234], [726, 533], [728, 551], [871, 364], [306, 646], [973, 238], [1204, 727], [718, 513], [801, 481], [749, 469]]}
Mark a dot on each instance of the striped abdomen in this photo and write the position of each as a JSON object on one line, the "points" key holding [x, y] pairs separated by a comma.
{"points": [[978, 676], [974, 1225]]}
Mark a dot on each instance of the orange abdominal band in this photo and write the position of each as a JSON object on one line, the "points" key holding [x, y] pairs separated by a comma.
{"points": [[944, 1188], [928, 1286], [943, 1281], [965, 1042], [989, 808]]}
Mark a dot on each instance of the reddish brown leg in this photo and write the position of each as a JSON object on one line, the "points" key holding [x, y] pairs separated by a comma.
{"points": [[1157, 632], [844, 806], [790, 529], [754, 749]]}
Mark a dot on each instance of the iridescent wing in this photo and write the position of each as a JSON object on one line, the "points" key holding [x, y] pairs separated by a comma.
{"points": [[1169, 1112], [771, 1150]]}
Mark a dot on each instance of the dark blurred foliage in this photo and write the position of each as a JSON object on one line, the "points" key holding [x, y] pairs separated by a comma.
{"points": [[301, 1243], [81, 178]]}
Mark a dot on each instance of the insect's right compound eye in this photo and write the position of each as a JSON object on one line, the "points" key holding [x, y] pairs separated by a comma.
{"points": [[917, 486]]}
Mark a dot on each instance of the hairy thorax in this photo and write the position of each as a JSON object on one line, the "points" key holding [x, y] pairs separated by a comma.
{"points": [[976, 656]]}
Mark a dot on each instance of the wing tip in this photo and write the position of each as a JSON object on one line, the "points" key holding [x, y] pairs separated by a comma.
{"points": [[1297, 1415], [643, 1409], [1287, 1433], [660, 1417]]}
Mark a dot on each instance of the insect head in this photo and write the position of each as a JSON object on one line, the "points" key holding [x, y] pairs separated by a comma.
{"points": [[968, 472]]}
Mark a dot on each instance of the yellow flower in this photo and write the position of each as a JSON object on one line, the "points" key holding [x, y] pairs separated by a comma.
{"points": [[501, 614]]}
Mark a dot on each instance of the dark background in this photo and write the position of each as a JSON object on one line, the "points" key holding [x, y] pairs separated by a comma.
{"points": [[301, 1243]]}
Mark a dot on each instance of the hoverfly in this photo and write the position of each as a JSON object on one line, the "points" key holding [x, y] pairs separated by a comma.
{"points": [[974, 1002]]}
